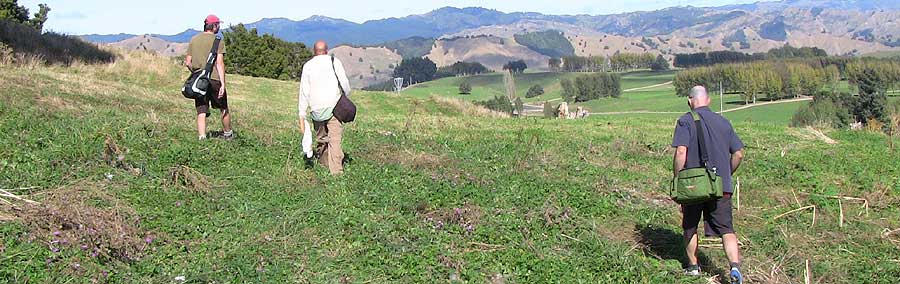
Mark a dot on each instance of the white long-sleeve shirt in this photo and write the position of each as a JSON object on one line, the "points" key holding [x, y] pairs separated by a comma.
{"points": [[319, 90]]}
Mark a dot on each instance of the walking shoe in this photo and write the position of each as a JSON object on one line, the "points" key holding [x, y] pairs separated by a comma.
{"points": [[692, 270], [736, 276], [228, 135]]}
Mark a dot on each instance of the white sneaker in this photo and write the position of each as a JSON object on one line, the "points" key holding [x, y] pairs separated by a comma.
{"points": [[693, 270]]}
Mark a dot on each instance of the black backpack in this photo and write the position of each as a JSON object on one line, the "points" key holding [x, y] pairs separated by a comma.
{"points": [[196, 86]]}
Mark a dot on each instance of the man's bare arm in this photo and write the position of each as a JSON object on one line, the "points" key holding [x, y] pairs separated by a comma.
{"points": [[736, 160], [220, 67], [187, 62], [679, 160]]}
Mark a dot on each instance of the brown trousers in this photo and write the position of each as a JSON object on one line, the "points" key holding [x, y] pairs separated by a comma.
{"points": [[328, 145]]}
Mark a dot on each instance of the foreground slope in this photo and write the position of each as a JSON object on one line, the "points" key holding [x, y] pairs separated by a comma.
{"points": [[436, 191]]}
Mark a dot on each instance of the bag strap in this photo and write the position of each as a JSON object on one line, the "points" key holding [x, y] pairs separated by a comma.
{"points": [[336, 76], [213, 53], [701, 138]]}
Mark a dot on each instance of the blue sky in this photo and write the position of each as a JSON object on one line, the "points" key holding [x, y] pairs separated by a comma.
{"points": [[170, 16]]}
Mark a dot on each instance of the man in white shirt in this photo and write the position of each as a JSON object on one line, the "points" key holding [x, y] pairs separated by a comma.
{"points": [[321, 83]]}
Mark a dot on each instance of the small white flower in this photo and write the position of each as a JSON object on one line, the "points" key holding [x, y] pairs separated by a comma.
{"points": [[179, 278]]}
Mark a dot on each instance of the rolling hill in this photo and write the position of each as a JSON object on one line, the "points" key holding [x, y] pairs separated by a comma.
{"points": [[437, 191], [152, 44], [491, 37]]}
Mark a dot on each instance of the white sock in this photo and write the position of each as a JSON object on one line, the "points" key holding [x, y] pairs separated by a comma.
{"points": [[228, 133], [202, 137]]}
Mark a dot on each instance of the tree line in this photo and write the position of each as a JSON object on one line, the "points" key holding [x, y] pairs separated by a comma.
{"points": [[264, 55], [689, 60], [415, 70], [769, 79], [591, 87], [619, 62], [516, 67], [460, 69]]}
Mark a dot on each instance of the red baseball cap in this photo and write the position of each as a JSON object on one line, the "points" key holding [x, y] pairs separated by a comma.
{"points": [[212, 19]]}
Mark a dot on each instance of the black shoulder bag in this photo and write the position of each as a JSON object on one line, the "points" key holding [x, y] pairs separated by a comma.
{"points": [[196, 86], [344, 110]]}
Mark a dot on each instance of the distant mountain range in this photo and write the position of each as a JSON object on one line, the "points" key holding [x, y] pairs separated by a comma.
{"points": [[447, 35], [450, 20], [182, 37]]}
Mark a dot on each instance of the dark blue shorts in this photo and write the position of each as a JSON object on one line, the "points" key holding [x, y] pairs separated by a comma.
{"points": [[716, 216]]}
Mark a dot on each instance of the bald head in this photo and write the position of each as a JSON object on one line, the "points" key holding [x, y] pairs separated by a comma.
{"points": [[698, 97], [320, 48]]}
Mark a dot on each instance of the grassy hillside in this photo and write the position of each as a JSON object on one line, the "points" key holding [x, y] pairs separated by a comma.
{"points": [[434, 192], [646, 94], [490, 85]]}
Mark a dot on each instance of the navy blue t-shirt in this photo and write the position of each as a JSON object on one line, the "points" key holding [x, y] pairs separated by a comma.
{"points": [[721, 142]]}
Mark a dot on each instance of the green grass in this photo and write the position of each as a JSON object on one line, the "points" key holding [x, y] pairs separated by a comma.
{"points": [[883, 54], [777, 113], [654, 99], [487, 86], [547, 200]]}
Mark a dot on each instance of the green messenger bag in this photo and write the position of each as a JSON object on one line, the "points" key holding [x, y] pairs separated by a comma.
{"points": [[697, 185]]}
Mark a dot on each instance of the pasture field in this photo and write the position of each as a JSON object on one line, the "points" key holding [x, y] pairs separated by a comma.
{"points": [[434, 192], [646, 94], [489, 85]]}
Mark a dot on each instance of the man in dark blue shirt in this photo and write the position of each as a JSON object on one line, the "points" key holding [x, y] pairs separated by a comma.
{"points": [[725, 151]]}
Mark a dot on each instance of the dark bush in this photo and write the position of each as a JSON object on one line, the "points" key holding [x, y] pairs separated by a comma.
{"points": [[465, 88], [534, 91], [51, 47], [832, 110], [498, 103]]}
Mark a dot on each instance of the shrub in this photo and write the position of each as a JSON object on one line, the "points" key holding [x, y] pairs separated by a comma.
{"points": [[498, 103], [534, 91], [465, 88], [826, 110], [252, 54]]}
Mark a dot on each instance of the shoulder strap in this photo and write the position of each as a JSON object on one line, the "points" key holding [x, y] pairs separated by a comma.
{"points": [[701, 138], [336, 76], [213, 53]]}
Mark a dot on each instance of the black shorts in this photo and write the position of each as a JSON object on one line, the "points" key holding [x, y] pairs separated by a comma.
{"points": [[212, 98], [716, 216]]}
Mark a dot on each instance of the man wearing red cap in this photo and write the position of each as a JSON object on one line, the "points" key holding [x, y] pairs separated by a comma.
{"points": [[217, 97]]}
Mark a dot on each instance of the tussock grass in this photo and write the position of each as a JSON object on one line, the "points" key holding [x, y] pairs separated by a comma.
{"points": [[467, 108]]}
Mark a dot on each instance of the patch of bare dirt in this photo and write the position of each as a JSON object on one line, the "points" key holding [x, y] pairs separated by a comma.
{"points": [[114, 156], [466, 217], [190, 179]]}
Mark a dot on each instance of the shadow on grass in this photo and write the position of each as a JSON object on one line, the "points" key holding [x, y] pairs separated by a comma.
{"points": [[667, 244], [311, 162]]}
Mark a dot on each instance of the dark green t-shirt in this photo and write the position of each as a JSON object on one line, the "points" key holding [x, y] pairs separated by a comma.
{"points": [[199, 48]]}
